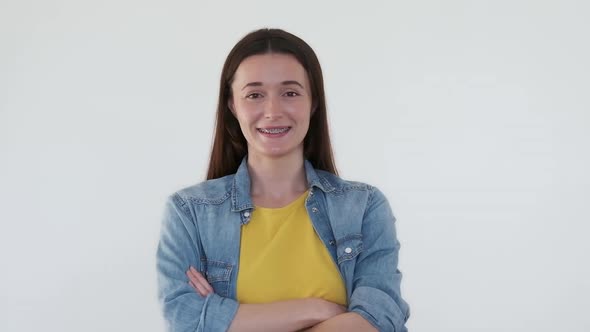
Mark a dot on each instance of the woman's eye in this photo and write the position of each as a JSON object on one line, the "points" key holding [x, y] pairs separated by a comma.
{"points": [[254, 95], [291, 94]]}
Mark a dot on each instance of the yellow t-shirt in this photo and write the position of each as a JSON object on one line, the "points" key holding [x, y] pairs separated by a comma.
{"points": [[282, 258]]}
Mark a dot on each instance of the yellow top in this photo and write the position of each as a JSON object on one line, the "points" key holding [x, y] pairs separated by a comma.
{"points": [[282, 258]]}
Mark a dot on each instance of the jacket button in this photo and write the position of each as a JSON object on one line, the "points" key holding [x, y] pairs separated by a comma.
{"points": [[348, 250], [246, 214], [314, 209]]}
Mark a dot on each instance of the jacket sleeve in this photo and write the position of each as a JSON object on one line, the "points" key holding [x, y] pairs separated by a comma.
{"points": [[376, 286], [178, 248]]}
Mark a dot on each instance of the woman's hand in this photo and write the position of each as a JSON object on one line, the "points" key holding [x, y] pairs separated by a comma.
{"points": [[199, 283]]}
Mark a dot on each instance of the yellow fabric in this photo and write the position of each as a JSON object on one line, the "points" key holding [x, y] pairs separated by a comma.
{"points": [[282, 258]]}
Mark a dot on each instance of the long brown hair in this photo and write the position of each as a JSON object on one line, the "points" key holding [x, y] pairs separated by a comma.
{"points": [[229, 144]]}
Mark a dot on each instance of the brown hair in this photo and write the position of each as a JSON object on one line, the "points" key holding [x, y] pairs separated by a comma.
{"points": [[229, 144]]}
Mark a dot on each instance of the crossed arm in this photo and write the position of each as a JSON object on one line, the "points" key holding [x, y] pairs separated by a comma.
{"points": [[375, 302], [311, 314]]}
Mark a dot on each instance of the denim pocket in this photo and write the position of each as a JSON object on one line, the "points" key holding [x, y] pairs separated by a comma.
{"points": [[218, 275], [349, 247]]}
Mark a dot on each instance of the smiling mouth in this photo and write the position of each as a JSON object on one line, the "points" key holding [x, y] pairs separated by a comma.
{"points": [[278, 130]]}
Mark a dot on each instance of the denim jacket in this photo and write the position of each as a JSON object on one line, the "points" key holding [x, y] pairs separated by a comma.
{"points": [[201, 227]]}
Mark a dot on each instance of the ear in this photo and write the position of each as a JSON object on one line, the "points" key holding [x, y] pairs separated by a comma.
{"points": [[314, 107], [230, 105]]}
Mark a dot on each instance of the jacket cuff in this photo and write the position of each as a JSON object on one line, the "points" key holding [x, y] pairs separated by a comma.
{"points": [[378, 308], [220, 312]]}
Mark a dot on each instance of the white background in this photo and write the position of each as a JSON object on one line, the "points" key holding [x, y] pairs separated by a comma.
{"points": [[472, 116]]}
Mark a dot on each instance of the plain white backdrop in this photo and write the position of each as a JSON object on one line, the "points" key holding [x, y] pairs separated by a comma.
{"points": [[472, 116]]}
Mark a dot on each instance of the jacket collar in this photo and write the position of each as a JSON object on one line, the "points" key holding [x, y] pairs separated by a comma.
{"points": [[240, 192]]}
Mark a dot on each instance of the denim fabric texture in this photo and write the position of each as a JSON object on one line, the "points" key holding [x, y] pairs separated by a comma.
{"points": [[201, 227]]}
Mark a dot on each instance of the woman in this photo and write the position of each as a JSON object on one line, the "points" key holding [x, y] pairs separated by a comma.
{"points": [[274, 240]]}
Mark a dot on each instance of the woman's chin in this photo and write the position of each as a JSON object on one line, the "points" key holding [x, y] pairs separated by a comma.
{"points": [[278, 151]]}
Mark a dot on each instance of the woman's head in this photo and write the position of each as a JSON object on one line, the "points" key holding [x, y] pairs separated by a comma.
{"points": [[271, 81]]}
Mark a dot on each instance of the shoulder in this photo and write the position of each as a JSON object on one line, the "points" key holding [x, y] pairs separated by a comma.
{"points": [[362, 193], [214, 191], [337, 185]]}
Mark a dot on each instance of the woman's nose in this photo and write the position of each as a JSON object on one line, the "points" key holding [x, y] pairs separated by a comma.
{"points": [[273, 108]]}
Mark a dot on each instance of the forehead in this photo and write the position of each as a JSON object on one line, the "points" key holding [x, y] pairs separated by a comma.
{"points": [[271, 68]]}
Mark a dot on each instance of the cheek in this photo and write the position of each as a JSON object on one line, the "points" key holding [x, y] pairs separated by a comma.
{"points": [[300, 107], [245, 113]]}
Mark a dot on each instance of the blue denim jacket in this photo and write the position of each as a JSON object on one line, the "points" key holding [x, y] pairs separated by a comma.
{"points": [[201, 227]]}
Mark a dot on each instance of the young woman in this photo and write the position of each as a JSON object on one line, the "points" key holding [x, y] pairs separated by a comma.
{"points": [[274, 240]]}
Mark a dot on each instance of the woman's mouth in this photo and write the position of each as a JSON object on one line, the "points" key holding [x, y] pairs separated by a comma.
{"points": [[274, 132]]}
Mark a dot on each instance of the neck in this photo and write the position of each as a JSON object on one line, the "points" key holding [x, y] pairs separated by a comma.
{"points": [[277, 177]]}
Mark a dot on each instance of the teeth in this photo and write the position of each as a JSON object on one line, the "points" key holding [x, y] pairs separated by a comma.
{"points": [[273, 130]]}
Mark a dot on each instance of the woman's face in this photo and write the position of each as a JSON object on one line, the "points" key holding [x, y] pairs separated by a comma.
{"points": [[271, 98]]}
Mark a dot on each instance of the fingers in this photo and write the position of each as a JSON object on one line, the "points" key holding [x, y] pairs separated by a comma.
{"points": [[202, 279], [199, 288], [198, 282]]}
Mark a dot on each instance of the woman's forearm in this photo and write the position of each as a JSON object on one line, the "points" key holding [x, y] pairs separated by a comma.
{"points": [[291, 315]]}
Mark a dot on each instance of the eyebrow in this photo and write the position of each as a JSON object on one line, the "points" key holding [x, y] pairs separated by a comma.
{"points": [[282, 83]]}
